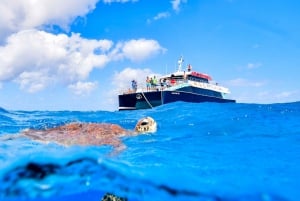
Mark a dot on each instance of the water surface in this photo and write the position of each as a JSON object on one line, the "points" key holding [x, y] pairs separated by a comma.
{"points": [[203, 151]]}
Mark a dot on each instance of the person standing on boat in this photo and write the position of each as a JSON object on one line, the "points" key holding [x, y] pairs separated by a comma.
{"points": [[154, 81], [189, 68], [134, 85], [148, 83], [151, 82]]}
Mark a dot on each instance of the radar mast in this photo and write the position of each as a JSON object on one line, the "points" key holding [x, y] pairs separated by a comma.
{"points": [[180, 62]]}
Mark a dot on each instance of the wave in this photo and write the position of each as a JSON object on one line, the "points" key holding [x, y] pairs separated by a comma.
{"points": [[2, 110], [82, 175]]}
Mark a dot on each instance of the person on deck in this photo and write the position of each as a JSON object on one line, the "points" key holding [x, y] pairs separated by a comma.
{"points": [[148, 83], [134, 85], [151, 82], [154, 81]]}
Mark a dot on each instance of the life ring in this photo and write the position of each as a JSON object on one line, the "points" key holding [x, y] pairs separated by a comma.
{"points": [[138, 96]]}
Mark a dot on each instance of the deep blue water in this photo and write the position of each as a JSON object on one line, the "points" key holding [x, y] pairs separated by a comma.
{"points": [[203, 151]]}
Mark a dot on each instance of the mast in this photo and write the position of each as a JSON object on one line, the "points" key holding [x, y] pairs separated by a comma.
{"points": [[180, 62]]}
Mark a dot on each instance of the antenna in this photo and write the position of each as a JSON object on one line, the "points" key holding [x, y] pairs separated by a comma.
{"points": [[180, 62]]}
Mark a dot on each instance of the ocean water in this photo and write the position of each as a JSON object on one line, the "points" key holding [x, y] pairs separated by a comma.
{"points": [[209, 151]]}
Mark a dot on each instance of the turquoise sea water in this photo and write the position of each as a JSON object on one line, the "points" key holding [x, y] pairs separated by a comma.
{"points": [[203, 151]]}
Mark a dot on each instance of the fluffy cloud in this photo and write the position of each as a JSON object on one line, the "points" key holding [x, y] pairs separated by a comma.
{"points": [[35, 59], [176, 4], [267, 96], [19, 15], [137, 50], [287, 95], [82, 88], [33, 81], [159, 16]]}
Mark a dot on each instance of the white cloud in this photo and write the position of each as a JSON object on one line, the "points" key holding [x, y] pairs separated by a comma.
{"points": [[35, 59], [266, 96], [17, 15], [33, 81], [159, 16], [286, 94], [176, 4], [137, 50], [241, 82], [82, 88], [175, 7]]}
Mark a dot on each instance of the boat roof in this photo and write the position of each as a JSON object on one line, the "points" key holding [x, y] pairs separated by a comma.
{"points": [[193, 73], [201, 75]]}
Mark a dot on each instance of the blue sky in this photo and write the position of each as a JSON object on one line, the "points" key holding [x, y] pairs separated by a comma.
{"points": [[77, 55]]}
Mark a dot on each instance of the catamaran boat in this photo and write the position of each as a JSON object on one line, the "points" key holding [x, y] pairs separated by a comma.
{"points": [[186, 86]]}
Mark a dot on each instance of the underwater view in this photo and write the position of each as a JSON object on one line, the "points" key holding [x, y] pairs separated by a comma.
{"points": [[208, 151]]}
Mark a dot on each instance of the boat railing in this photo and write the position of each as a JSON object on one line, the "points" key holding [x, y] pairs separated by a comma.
{"points": [[158, 87], [176, 82]]}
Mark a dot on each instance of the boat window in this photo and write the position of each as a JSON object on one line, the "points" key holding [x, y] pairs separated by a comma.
{"points": [[197, 79]]}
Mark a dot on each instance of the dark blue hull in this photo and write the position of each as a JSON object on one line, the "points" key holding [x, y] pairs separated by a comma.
{"points": [[144, 100]]}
